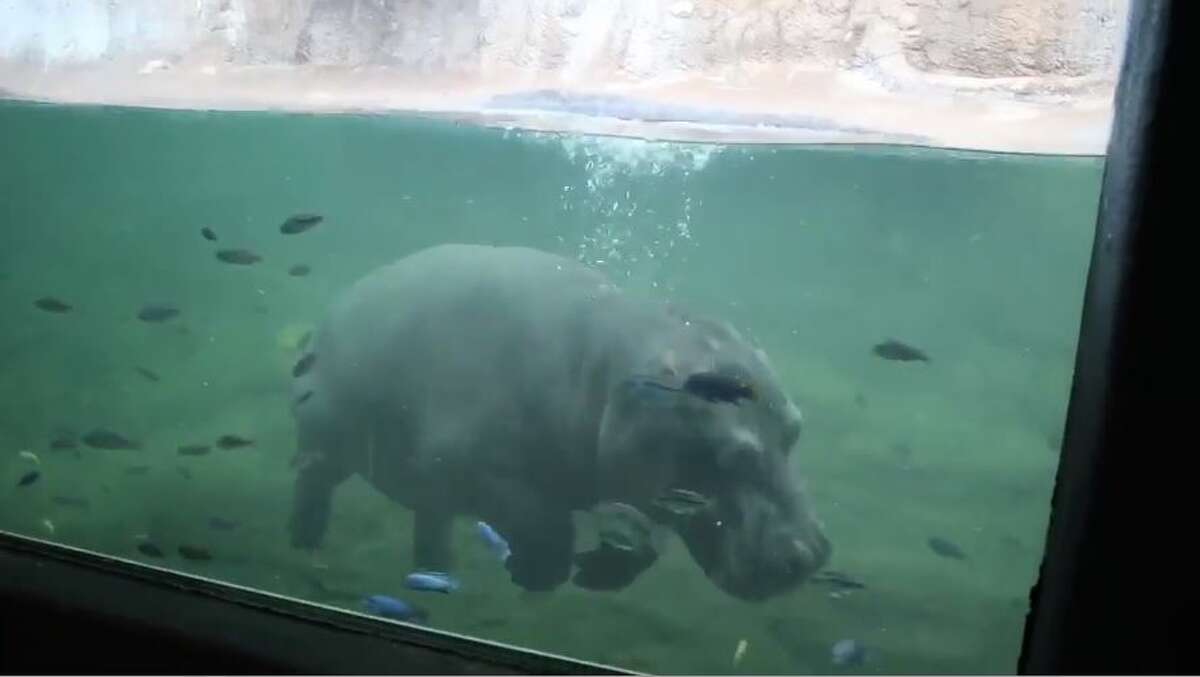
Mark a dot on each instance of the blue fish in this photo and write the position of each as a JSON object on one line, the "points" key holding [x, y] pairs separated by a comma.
{"points": [[390, 607], [431, 581], [494, 541]]}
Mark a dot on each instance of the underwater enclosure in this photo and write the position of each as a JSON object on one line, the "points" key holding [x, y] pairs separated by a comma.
{"points": [[920, 306]]}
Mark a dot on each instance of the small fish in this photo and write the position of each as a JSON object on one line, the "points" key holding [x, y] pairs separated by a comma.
{"points": [[222, 524], [624, 527], [52, 305], [303, 397], [194, 449], [390, 607], [29, 456], [892, 349], [431, 581], [107, 439], [63, 443], [184, 472], [715, 387], [150, 550], [194, 553], [240, 257], [303, 365], [28, 478], [303, 342], [493, 540], [847, 653], [72, 502], [946, 549], [49, 526], [137, 470], [300, 223], [838, 580], [157, 312], [740, 652], [300, 270], [233, 442], [209, 234], [682, 502], [148, 374]]}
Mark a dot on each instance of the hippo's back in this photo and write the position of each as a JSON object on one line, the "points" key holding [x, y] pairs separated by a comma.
{"points": [[455, 329]]}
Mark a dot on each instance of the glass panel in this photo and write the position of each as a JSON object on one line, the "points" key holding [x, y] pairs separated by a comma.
{"points": [[178, 290]]}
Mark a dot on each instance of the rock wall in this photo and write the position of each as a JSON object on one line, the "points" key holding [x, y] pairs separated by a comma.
{"points": [[587, 39]]}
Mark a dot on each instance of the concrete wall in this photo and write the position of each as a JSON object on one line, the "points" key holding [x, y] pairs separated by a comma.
{"points": [[589, 39]]}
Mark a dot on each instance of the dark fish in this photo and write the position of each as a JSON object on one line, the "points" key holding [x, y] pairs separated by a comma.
{"points": [[195, 553], [137, 470], [150, 550], [300, 223], [52, 305], [194, 449], [233, 442], [718, 387], [892, 349], [148, 374], [72, 502], [157, 313], [28, 478], [299, 270], [184, 472], [303, 365], [241, 257], [63, 443], [946, 549], [304, 397], [209, 234], [221, 524], [682, 502], [107, 439], [837, 579], [860, 399], [303, 342]]}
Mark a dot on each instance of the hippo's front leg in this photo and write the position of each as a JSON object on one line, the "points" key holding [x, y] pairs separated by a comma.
{"points": [[607, 568]]}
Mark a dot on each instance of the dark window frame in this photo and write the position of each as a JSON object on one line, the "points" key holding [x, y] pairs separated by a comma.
{"points": [[1087, 614]]}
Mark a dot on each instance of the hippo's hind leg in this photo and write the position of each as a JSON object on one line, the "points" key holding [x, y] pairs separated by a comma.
{"points": [[321, 465], [431, 540], [312, 502]]}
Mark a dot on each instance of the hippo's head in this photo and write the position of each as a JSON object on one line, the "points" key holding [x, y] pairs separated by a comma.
{"points": [[704, 412]]}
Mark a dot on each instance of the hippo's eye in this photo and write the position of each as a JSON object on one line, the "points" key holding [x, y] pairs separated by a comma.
{"points": [[716, 387]]}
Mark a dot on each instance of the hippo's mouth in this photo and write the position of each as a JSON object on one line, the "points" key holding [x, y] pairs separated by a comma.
{"points": [[750, 549]]}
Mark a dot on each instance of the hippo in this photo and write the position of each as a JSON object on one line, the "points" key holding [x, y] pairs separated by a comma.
{"points": [[515, 386]]}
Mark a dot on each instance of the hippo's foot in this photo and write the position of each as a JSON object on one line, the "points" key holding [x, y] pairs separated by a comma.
{"points": [[312, 502], [541, 553], [607, 568]]}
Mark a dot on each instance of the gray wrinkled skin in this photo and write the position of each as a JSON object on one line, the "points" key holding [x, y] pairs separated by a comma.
{"points": [[495, 382]]}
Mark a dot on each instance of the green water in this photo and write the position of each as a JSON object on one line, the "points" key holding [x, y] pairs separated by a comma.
{"points": [[818, 253]]}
